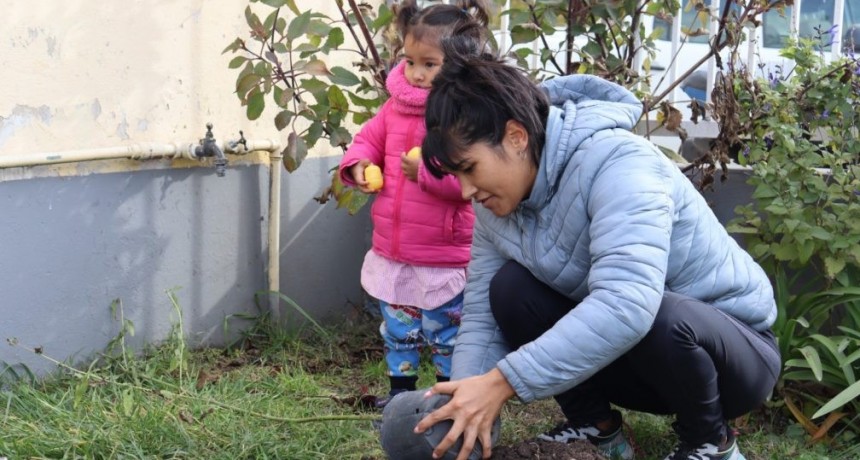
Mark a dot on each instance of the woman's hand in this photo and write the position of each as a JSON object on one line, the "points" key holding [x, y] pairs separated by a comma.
{"points": [[475, 404], [357, 172], [409, 166]]}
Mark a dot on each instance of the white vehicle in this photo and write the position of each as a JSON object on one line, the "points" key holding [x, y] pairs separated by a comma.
{"points": [[815, 19]]}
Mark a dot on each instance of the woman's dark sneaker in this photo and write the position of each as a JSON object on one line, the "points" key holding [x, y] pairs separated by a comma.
{"points": [[611, 443], [726, 450]]}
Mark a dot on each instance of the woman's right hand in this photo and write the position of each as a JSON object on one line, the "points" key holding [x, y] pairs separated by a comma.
{"points": [[475, 404], [357, 172]]}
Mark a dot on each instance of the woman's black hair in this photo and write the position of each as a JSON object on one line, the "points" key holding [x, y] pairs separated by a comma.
{"points": [[434, 23], [472, 99]]}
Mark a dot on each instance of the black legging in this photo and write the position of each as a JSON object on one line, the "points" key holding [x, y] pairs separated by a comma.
{"points": [[696, 362]]}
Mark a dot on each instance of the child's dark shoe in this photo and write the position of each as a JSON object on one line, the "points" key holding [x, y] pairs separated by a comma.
{"points": [[383, 401]]}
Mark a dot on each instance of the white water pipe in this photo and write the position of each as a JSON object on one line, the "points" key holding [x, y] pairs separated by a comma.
{"points": [[142, 151], [147, 151], [134, 151], [275, 160]]}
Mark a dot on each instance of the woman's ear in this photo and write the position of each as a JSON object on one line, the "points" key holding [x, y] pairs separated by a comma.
{"points": [[516, 136]]}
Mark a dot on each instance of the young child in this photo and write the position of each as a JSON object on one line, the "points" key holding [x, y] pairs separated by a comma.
{"points": [[422, 226]]}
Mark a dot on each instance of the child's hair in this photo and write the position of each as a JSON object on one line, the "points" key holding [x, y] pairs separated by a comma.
{"points": [[473, 97], [434, 23]]}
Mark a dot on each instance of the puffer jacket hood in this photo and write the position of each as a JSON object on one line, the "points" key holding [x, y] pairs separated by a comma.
{"points": [[579, 108]]}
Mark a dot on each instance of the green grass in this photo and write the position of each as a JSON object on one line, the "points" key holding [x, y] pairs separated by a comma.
{"points": [[275, 395]]}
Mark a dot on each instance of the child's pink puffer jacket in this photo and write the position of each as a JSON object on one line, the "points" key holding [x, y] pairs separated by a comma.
{"points": [[424, 223]]}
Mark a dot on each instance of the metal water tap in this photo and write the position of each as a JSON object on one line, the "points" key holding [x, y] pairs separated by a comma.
{"points": [[233, 146], [209, 148]]}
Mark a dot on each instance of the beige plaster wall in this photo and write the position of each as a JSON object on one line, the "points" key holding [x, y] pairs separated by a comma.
{"points": [[80, 74]]}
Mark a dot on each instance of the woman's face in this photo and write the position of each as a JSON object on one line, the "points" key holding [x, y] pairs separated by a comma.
{"points": [[423, 62], [498, 178]]}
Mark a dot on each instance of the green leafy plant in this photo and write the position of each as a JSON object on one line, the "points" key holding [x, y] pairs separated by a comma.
{"points": [[282, 63], [800, 137], [833, 361], [801, 303], [818, 368], [797, 131], [603, 36], [826, 379], [286, 61]]}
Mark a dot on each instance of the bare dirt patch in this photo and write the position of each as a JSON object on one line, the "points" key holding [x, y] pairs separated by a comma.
{"points": [[546, 450], [360, 343]]}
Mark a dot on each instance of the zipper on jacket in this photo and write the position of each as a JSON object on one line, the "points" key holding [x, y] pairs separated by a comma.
{"points": [[398, 200], [532, 222], [398, 196]]}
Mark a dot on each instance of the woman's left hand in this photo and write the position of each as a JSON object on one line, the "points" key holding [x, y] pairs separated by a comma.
{"points": [[409, 167], [475, 404]]}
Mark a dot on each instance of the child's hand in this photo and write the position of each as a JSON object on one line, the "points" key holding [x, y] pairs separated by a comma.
{"points": [[357, 171], [409, 165]]}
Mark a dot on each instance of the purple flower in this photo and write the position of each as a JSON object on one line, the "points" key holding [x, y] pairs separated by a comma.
{"points": [[832, 34], [772, 79], [825, 115], [746, 151], [768, 142]]}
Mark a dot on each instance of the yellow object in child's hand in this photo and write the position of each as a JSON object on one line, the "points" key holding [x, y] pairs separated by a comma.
{"points": [[414, 153], [373, 176]]}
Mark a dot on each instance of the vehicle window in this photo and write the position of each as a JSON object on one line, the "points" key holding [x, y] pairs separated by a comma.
{"points": [[694, 23], [816, 17]]}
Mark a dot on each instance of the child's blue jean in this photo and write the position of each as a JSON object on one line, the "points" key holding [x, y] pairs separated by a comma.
{"points": [[406, 330]]}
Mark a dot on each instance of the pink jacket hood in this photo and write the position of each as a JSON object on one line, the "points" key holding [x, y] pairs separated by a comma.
{"points": [[423, 223]]}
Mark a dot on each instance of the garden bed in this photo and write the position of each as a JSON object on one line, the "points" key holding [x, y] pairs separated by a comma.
{"points": [[277, 395]]}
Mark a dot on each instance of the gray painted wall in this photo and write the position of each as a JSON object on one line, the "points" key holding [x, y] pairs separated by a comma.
{"points": [[322, 248], [69, 246], [728, 195], [725, 196]]}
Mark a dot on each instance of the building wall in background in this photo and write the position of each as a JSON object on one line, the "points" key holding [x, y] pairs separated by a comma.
{"points": [[81, 75], [77, 237]]}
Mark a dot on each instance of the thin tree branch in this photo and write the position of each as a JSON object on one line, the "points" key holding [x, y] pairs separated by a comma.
{"points": [[370, 46], [536, 22], [351, 30]]}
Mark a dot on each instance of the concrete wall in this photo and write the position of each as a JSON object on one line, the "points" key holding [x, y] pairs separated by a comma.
{"points": [[82, 74], [725, 196], [72, 245], [74, 237]]}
